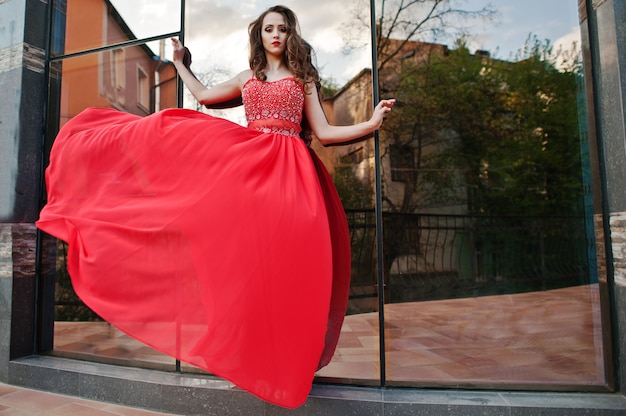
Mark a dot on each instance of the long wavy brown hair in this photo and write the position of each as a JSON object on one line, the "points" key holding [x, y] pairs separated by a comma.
{"points": [[298, 53]]}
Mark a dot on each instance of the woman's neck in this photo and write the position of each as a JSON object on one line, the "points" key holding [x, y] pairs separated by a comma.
{"points": [[276, 69]]}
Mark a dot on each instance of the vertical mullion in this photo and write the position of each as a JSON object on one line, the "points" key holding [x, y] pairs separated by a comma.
{"points": [[181, 36], [179, 98], [378, 206]]}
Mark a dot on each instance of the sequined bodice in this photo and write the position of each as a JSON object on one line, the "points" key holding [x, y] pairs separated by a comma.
{"points": [[274, 107]]}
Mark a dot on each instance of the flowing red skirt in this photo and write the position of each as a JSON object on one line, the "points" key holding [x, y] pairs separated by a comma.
{"points": [[224, 247]]}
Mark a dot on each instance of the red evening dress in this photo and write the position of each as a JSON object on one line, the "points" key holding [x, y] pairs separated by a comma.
{"points": [[223, 246]]}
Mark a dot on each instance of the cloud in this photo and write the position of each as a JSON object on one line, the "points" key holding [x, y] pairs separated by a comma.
{"points": [[217, 19], [149, 18], [214, 27], [567, 41], [567, 47], [154, 10], [517, 20]]}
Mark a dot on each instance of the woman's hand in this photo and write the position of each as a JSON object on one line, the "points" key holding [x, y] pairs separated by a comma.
{"points": [[179, 50], [380, 112], [220, 94]]}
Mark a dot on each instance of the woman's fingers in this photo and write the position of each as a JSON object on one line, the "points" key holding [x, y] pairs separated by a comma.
{"points": [[388, 103], [177, 44], [178, 49]]}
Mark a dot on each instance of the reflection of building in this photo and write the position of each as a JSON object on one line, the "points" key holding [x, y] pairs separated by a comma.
{"points": [[132, 79], [416, 254], [436, 173], [353, 103]]}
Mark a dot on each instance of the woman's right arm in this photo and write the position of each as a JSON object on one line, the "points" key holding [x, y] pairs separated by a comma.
{"points": [[221, 92]]}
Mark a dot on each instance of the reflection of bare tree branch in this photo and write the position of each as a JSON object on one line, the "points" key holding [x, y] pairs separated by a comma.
{"points": [[210, 76], [412, 20]]}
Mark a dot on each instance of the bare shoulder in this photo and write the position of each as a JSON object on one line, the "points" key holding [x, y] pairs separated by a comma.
{"points": [[244, 76], [310, 86]]}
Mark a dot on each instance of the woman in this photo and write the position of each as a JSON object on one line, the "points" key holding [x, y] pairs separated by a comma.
{"points": [[223, 246]]}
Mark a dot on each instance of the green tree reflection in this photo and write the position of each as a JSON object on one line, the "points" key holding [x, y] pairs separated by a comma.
{"points": [[499, 137], [492, 149]]}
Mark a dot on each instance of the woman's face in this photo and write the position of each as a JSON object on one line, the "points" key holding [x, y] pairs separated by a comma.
{"points": [[274, 34]]}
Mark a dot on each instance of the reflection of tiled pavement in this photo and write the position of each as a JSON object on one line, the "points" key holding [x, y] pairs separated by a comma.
{"points": [[101, 342], [18, 401], [551, 337], [538, 338]]}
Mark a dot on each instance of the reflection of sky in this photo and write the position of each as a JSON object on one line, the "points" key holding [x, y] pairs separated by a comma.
{"points": [[556, 20], [217, 30]]}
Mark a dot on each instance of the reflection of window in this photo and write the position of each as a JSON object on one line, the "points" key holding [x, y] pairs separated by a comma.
{"points": [[401, 158], [118, 76], [143, 89], [353, 158]]}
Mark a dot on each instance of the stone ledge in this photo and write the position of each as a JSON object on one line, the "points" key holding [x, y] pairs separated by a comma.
{"points": [[618, 242], [22, 55], [6, 251], [192, 394]]}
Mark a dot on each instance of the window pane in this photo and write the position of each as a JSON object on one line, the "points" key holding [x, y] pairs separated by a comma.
{"points": [[79, 333], [128, 79], [135, 80], [358, 353], [489, 229], [217, 36], [80, 25], [489, 235]]}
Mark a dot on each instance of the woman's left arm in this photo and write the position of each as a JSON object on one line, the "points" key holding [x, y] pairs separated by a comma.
{"points": [[328, 134]]}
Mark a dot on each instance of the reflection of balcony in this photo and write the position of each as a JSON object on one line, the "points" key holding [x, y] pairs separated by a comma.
{"points": [[538, 339], [430, 257]]}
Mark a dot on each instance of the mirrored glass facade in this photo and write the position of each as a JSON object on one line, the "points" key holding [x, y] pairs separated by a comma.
{"points": [[473, 213]]}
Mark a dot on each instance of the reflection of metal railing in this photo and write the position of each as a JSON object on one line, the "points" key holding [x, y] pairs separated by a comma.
{"points": [[448, 256], [429, 257]]}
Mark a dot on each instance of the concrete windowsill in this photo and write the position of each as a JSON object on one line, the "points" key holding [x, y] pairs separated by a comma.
{"points": [[184, 393]]}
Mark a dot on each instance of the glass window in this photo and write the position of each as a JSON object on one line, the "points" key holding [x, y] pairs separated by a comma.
{"points": [[118, 66], [401, 161], [90, 24], [135, 79], [488, 268], [112, 78], [143, 89]]}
